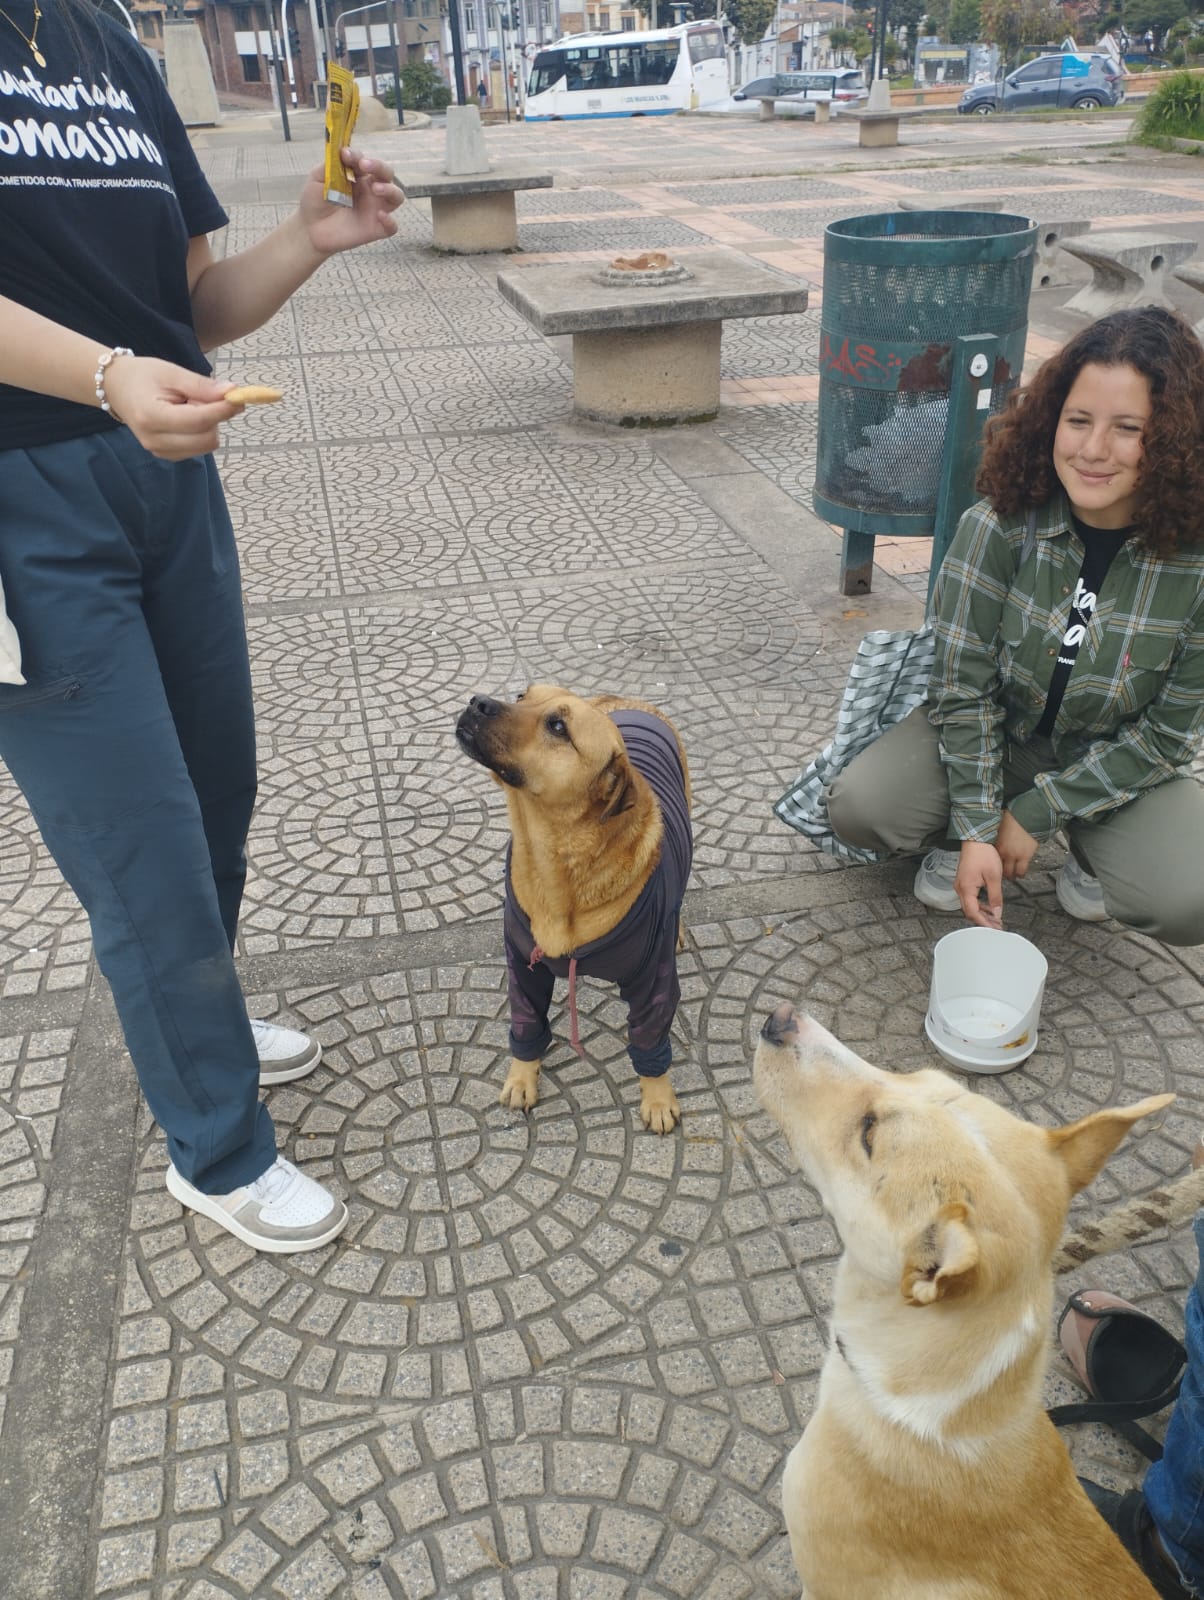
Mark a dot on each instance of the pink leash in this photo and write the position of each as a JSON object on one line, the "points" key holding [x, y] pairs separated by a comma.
{"points": [[574, 1030]]}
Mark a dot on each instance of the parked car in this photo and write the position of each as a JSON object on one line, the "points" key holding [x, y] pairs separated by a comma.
{"points": [[840, 86], [1078, 82]]}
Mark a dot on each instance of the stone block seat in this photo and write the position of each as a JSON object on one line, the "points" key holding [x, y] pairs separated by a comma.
{"points": [[472, 212], [646, 339], [1128, 269], [880, 129], [1047, 270], [1193, 276], [823, 108]]}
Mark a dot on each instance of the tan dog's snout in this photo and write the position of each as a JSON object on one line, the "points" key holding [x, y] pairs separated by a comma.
{"points": [[781, 1025]]}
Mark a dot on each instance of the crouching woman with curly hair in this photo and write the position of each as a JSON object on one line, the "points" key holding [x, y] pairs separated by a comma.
{"points": [[1068, 689]]}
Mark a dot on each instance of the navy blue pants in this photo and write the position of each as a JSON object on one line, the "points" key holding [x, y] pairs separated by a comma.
{"points": [[1174, 1486], [133, 742]]}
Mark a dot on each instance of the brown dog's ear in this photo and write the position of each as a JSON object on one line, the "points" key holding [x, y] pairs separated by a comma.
{"points": [[941, 1260], [1084, 1146], [613, 789]]}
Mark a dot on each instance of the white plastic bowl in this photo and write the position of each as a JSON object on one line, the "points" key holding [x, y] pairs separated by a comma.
{"points": [[985, 1000]]}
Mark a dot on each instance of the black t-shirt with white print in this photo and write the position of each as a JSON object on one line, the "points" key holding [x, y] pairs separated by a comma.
{"points": [[100, 193], [1100, 547]]}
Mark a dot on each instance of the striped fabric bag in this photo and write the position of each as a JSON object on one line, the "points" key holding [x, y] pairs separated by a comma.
{"points": [[888, 679]]}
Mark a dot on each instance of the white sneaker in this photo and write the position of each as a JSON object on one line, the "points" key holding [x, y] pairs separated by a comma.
{"points": [[283, 1212], [934, 880], [284, 1054], [1079, 894]]}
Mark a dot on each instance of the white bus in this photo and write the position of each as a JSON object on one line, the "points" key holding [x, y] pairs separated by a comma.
{"points": [[628, 74]]}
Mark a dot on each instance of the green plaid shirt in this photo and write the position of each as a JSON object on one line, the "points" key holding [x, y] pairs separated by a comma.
{"points": [[1133, 712]]}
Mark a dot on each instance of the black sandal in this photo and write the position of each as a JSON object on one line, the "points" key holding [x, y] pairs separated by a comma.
{"points": [[1128, 1363]]}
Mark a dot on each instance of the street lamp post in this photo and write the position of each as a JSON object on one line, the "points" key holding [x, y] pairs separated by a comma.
{"points": [[375, 6]]}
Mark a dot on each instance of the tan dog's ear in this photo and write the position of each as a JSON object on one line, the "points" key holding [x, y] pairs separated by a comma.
{"points": [[1084, 1146], [941, 1260], [613, 789]]}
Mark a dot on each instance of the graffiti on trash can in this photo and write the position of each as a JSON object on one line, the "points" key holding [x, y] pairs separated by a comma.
{"points": [[860, 362]]}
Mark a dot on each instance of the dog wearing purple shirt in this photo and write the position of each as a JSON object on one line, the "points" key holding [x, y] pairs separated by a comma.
{"points": [[598, 794]]}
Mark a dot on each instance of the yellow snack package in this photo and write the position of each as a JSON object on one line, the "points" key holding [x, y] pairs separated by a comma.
{"points": [[342, 108]]}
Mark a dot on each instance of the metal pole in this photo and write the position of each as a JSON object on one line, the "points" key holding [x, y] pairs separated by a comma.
{"points": [[401, 119], [288, 52], [457, 43], [327, 36], [879, 36], [278, 74]]}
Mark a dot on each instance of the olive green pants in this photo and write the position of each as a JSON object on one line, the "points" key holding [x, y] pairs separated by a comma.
{"points": [[1147, 855]]}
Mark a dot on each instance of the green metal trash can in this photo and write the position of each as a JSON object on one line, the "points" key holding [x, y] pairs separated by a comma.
{"points": [[900, 289]]}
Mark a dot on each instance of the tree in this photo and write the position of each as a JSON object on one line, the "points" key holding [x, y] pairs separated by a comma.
{"points": [[422, 88], [965, 21], [906, 14], [1017, 25], [1156, 14], [750, 18]]}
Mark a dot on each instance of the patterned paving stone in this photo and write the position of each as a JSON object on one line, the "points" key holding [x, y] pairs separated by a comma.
{"points": [[555, 1358], [556, 1341], [637, 233], [762, 190], [571, 202], [766, 346], [779, 441], [793, 222], [33, 1071]]}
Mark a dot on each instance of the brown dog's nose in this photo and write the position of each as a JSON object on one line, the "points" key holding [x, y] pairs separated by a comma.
{"points": [[484, 706], [781, 1025]]}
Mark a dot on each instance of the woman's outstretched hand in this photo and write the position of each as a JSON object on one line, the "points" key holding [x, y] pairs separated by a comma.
{"points": [[375, 197], [173, 413], [979, 868]]}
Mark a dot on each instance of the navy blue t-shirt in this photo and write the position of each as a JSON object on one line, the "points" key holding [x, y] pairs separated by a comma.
{"points": [[100, 192]]}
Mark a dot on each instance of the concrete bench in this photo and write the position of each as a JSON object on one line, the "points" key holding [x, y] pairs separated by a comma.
{"points": [[1052, 234], [880, 129], [1193, 277], [647, 354], [1047, 271], [823, 108], [1128, 269], [472, 213]]}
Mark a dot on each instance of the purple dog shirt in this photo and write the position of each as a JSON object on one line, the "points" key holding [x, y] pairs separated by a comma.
{"points": [[640, 954]]}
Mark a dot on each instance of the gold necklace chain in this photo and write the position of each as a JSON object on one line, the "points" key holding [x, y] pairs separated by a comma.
{"points": [[31, 39]]}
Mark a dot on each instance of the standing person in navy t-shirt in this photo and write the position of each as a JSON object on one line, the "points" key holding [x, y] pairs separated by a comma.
{"points": [[132, 735]]}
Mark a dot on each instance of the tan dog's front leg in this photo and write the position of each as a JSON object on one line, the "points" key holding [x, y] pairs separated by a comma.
{"points": [[659, 1109], [521, 1088]]}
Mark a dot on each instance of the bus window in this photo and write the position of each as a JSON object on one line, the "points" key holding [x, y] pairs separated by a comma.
{"points": [[546, 71], [706, 45], [657, 63]]}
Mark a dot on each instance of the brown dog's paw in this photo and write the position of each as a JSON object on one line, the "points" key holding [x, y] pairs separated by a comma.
{"points": [[521, 1088], [659, 1110]]}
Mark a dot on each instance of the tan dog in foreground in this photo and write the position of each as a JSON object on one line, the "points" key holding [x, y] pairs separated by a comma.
{"points": [[930, 1470], [598, 793]]}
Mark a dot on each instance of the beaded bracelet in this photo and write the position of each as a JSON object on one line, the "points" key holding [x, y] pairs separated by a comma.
{"points": [[98, 377]]}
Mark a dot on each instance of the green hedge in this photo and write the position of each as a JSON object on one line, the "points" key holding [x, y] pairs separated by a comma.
{"points": [[1175, 110]]}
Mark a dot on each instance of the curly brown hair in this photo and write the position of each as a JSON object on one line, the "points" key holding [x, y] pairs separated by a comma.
{"points": [[1017, 471]]}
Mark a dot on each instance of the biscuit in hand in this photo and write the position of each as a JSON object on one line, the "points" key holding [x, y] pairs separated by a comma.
{"points": [[252, 394]]}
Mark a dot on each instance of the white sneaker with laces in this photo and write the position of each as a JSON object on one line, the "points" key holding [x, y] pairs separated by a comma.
{"points": [[934, 880], [282, 1212], [1079, 894], [284, 1054]]}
